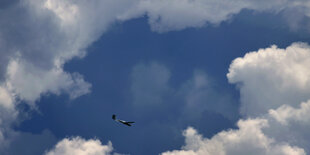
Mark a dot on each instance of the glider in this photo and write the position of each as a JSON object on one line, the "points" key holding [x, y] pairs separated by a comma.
{"points": [[121, 121]]}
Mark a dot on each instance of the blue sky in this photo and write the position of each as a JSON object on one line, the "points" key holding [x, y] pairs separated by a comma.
{"points": [[190, 84]]}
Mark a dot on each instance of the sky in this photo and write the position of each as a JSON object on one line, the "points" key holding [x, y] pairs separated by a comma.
{"points": [[198, 77]]}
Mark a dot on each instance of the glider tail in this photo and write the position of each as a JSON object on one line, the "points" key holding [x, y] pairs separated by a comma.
{"points": [[113, 117]]}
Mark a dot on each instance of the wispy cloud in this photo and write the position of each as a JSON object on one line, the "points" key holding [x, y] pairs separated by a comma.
{"points": [[151, 87]]}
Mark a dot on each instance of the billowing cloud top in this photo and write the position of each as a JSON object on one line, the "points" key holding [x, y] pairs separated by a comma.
{"points": [[272, 77], [272, 83], [79, 146]]}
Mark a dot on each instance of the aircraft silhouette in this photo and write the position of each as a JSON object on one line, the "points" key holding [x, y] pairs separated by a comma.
{"points": [[121, 121]]}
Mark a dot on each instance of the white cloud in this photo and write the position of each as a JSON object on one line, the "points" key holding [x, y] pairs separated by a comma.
{"points": [[63, 29], [281, 131], [179, 14], [37, 38], [248, 139], [276, 81], [272, 83], [285, 113], [8, 114], [79, 146], [35, 50], [272, 77], [30, 81], [290, 125], [6, 98]]}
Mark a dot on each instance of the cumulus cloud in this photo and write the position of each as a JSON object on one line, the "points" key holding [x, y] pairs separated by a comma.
{"points": [[271, 77], [248, 139], [36, 39], [6, 98], [179, 14], [79, 146], [276, 81], [34, 45], [48, 33], [45, 36], [30, 82], [273, 83], [281, 131], [289, 124], [8, 114]]}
